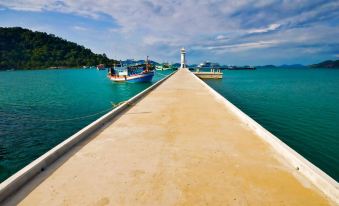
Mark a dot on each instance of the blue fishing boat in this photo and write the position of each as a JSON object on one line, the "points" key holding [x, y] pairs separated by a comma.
{"points": [[132, 73]]}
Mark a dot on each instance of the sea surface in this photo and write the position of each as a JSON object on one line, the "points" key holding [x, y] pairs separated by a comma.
{"points": [[299, 106], [41, 108]]}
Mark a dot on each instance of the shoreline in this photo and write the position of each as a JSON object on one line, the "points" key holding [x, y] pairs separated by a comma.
{"points": [[32, 69], [257, 67]]}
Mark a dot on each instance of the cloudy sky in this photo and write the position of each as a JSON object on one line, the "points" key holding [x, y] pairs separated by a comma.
{"points": [[236, 32]]}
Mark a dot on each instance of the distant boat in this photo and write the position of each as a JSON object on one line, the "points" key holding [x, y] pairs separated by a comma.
{"points": [[240, 68], [133, 74], [164, 66], [101, 67], [208, 65]]}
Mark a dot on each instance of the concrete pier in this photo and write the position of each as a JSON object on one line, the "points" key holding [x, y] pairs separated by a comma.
{"points": [[208, 75], [179, 145]]}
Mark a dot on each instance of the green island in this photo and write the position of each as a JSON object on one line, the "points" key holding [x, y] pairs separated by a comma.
{"points": [[327, 64], [25, 49]]}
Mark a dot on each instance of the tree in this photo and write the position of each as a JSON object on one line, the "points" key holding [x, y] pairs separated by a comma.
{"points": [[25, 49]]}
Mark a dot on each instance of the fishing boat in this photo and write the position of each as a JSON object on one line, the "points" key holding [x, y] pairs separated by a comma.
{"points": [[101, 67], [134, 73]]}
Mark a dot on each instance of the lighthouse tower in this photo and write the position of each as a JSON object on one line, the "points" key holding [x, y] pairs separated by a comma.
{"points": [[183, 58]]}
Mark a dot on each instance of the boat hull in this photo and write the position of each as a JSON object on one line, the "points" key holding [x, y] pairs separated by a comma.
{"points": [[135, 78]]}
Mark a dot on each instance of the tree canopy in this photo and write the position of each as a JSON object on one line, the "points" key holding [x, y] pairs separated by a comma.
{"points": [[24, 49]]}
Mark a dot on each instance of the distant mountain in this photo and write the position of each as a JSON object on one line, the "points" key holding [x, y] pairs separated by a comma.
{"points": [[327, 64], [292, 66], [176, 65], [25, 49], [133, 61], [265, 66], [284, 66], [192, 65]]}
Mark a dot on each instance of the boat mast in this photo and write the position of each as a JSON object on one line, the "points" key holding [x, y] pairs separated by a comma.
{"points": [[147, 63]]}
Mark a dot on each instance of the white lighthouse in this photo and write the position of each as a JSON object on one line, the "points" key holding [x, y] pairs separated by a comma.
{"points": [[183, 58]]}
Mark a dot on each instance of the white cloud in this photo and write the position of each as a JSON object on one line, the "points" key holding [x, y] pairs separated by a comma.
{"points": [[221, 37], [244, 46], [80, 28], [271, 27], [144, 26]]}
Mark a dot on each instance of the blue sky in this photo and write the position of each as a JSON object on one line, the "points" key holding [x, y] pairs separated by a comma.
{"points": [[242, 32]]}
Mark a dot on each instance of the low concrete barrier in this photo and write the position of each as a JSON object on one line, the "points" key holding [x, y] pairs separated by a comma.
{"points": [[208, 75], [319, 178], [19, 179]]}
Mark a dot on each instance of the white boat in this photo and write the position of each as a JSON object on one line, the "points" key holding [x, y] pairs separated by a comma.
{"points": [[164, 66], [208, 65]]}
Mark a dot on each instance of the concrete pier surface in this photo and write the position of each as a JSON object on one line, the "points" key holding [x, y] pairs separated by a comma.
{"points": [[208, 75], [179, 145]]}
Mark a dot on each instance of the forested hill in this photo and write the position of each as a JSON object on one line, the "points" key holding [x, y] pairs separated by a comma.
{"points": [[327, 64], [24, 49]]}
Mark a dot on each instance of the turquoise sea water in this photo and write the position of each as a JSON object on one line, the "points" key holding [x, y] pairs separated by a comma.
{"points": [[34, 103], [300, 106]]}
